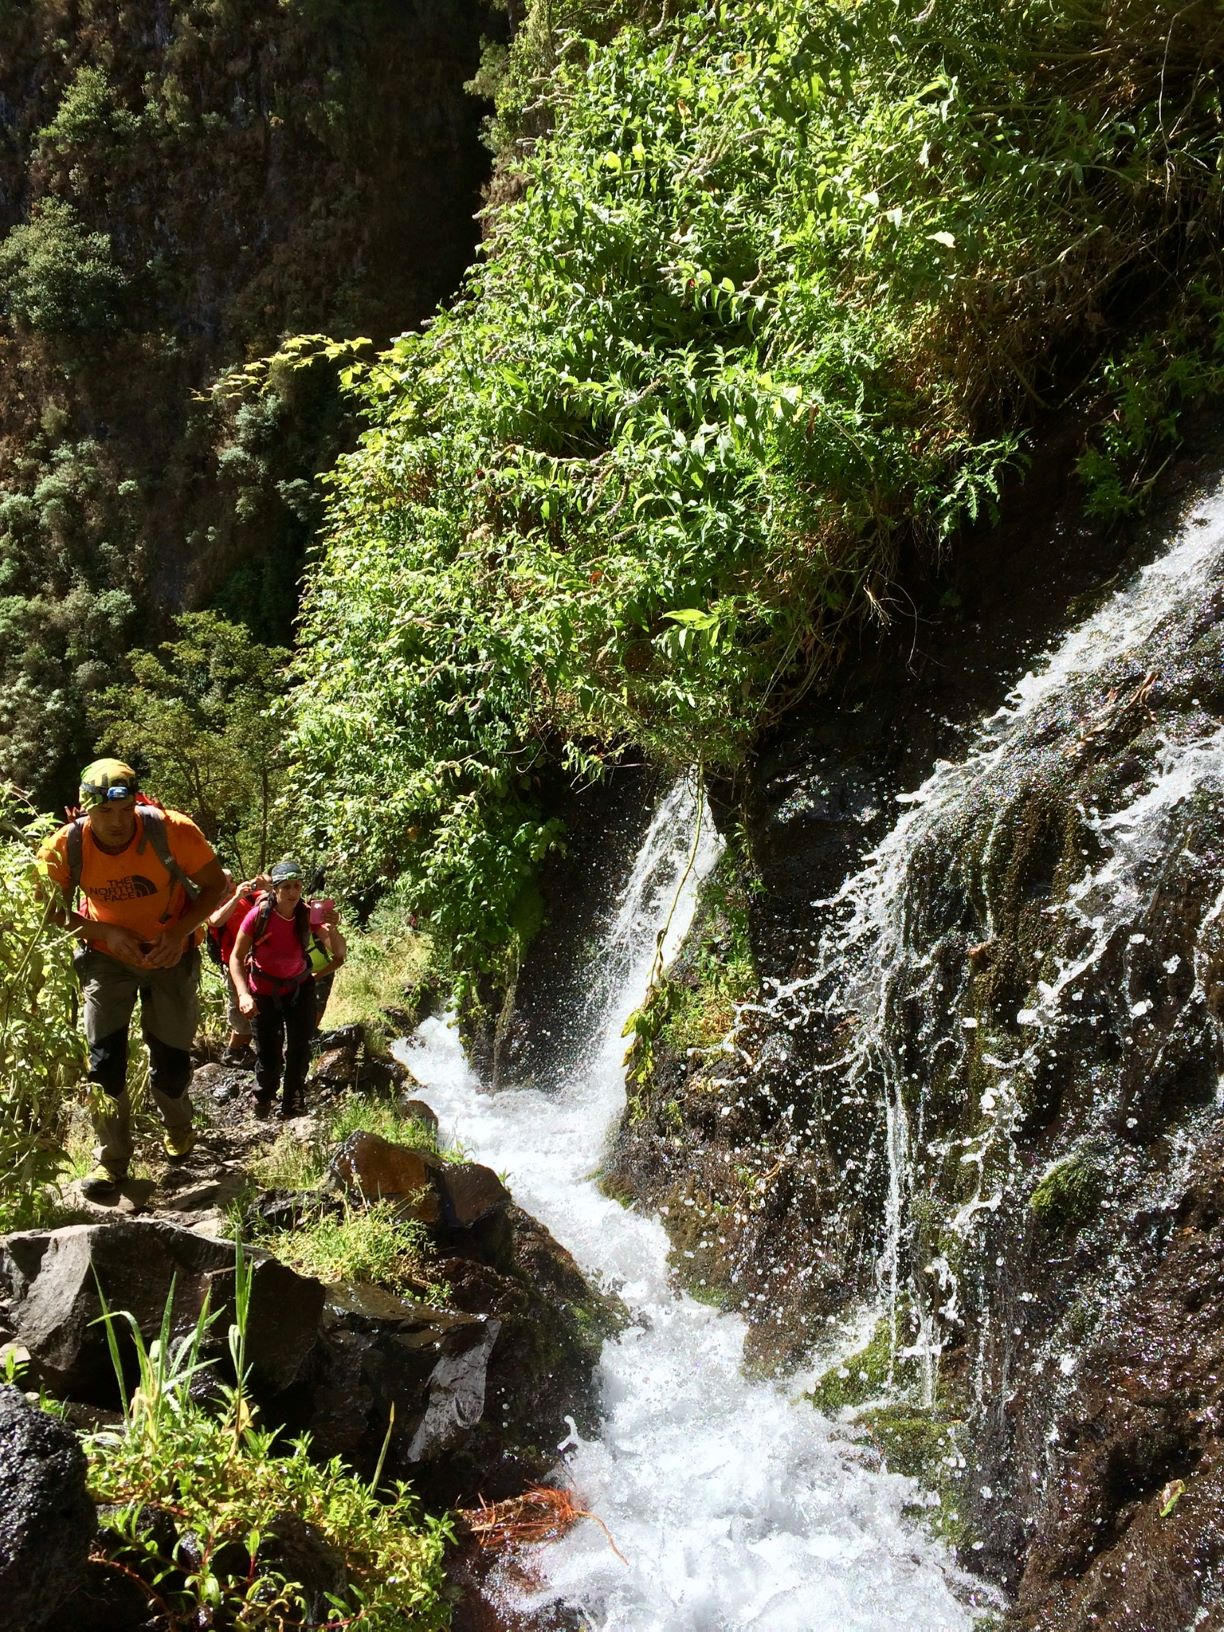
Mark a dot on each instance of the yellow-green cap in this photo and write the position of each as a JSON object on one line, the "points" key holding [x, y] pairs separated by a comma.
{"points": [[98, 779]]}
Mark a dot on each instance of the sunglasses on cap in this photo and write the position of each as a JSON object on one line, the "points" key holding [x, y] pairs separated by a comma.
{"points": [[110, 795]]}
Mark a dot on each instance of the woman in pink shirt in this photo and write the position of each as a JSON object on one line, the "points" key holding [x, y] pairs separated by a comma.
{"points": [[270, 967]]}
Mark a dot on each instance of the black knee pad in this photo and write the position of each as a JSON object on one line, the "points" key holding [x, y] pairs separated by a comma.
{"points": [[169, 1068], [108, 1062]]}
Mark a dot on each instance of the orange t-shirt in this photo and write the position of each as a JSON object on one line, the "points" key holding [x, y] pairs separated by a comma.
{"points": [[131, 888]]}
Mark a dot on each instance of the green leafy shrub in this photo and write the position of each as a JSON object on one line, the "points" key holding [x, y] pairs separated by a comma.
{"points": [[57, 278], [42, 1053], [199, 718]]}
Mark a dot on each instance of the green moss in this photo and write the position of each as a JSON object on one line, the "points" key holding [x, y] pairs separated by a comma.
{"points": [[926, 1446], [867, 1375], [1068, 1193]]}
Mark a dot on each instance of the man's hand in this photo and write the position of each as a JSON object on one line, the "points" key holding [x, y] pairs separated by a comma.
{"points": [[119, 942], [246, 1004], [166, 950]]}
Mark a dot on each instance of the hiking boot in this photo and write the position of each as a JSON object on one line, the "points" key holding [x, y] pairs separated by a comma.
{"points": [[103, 1183], [239, 1059], [180, 1144], [291, 1108], [261, 1104]]}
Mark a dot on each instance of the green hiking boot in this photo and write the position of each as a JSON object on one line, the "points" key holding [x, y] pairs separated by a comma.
{"points": [[179, 1144], [103, 1183]]}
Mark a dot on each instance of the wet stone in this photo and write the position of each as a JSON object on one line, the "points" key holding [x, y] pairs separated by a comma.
{"points": [[470, 1193], [420, 1112]]}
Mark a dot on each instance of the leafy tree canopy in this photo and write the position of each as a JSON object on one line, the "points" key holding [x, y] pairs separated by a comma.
{"points": [[201, 720]]}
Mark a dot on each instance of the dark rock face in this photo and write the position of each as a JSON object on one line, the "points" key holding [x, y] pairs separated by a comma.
{"points": [[476, 1394], [51, 1280], [469, 1194], [480, 1390], [47, 1518], [1017, 1037], [545, 1014], [1133, 1527]]}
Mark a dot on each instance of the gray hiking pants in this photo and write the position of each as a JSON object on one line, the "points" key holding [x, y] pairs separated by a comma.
{"points": [[169, 1014]]}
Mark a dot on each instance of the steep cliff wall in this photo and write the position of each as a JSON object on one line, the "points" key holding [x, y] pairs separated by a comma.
{"points": [[180, 187], [975, 1084]]}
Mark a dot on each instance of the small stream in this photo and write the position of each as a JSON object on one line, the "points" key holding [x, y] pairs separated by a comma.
{"points": [[735, 1504]]}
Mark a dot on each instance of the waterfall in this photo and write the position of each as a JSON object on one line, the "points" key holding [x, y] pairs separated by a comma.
{"points": [[897, 952], [736, 1506]]}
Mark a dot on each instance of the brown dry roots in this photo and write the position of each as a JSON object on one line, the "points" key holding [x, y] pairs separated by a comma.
{"points": [[539, 1514]]}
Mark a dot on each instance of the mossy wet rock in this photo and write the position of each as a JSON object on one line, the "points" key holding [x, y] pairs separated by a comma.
{"points": [[47, 1519], [1127, 1525]]}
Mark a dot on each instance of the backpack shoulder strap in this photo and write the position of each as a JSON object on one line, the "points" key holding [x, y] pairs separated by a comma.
{"points": [[261, 923], [152, 819], [73, 848], [301, 919]]}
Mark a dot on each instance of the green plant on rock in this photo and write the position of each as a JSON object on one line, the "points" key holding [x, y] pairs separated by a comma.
{"points": [[866, 1375], [227, 1483], [1068, 1193], [927, 1446], [87, 114], [375, 1244]]}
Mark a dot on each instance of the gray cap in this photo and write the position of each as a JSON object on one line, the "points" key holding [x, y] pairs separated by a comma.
{"points": [[286, 871]]}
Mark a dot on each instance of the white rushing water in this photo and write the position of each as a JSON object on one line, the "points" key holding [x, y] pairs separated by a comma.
{"points": [[734, 1504]]}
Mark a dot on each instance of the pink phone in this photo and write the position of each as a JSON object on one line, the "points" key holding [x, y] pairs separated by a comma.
{"points": [[321, 912]]}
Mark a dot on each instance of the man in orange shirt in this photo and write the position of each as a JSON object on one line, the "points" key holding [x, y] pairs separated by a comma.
{"points": [[149, 878]]}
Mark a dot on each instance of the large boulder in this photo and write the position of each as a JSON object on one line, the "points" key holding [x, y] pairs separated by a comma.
{"points": [[471, 1399], [372, 1168], [51, 1279], [387, 1364], [47, 1519]]}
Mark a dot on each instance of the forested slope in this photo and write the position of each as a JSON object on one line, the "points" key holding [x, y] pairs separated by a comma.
{"points": [[778, 306], [180, 187]]}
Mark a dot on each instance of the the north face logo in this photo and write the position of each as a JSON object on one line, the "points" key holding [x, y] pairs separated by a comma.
{"points": [[124, 889]]}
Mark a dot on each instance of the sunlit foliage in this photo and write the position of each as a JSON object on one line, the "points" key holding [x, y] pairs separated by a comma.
{"points": [[786, 290]]}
